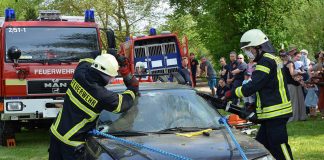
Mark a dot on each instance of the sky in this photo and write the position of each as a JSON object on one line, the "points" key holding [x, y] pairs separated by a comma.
{"points": [[160, 12]]}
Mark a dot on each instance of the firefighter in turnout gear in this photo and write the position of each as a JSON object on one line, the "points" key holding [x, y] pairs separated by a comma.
{"points": [[273, 106], [85, 98]]}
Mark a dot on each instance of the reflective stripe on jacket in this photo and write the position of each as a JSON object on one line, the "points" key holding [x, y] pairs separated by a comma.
{"points": [[85, 98], [269, 84]]}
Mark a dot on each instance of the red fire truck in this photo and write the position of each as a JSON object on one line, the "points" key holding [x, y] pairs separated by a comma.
{"points": [[38, 59], [160, 53]]}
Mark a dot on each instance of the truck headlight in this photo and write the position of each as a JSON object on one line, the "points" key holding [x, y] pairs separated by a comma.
{"points": [[14, 106]]}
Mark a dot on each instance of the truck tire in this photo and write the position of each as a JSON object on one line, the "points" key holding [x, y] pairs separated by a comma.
{"points": [[163, 79], [178, 77], [7, 131]]}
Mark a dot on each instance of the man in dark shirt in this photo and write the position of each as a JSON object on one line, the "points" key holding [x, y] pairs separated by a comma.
{"points": [[238, 73], [193, 63], [221, 88], [225, 68], [232, 66]]}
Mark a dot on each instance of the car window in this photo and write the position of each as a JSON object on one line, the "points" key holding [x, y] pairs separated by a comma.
{"points": [[162, 109]]}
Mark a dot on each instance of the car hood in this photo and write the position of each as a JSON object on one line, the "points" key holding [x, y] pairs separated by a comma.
{"points": [[218, 145]]}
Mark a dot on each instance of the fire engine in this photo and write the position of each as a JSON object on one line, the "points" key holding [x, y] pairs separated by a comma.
{"points": [[161, 54], [38, 59]]}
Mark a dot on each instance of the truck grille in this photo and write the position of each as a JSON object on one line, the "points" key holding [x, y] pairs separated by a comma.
{"points": [[52, 86], [140, 52]]}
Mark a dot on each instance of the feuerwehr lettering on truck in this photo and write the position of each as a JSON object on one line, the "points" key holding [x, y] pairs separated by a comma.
{"points": [[53, 71]]}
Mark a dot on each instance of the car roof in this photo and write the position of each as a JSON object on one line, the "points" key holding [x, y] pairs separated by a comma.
{"points": [[149, 86]]}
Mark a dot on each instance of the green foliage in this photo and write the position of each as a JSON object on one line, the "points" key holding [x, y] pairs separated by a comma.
{"points": [[221, 23], [25, 9], [306, 26], [185, 26], [31, 14]]}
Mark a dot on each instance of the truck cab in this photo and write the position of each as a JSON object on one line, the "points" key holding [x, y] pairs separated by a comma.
{"points": [[38, 59], [160, 53]]}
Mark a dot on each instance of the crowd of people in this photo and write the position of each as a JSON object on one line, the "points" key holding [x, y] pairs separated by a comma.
{"points": [[304, 78]]}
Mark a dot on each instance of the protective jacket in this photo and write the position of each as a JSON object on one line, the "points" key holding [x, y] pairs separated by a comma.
{"points": [[85, 98], [269, 84]]}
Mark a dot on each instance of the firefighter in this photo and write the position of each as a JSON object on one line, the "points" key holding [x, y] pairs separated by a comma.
{"points": [[141, 72], [85, 98], [273, 106]]}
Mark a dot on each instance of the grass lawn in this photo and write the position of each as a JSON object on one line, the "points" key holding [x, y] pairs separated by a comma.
{"points": [[306, 139], [30, 145]]}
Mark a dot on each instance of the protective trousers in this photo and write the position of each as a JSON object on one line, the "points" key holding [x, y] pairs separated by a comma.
{"points": [[273, 135], [60, 151]]}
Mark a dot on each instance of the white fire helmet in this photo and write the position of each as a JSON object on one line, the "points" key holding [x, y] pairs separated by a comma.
{"points": [[140, 65], [252, 38], [107, 64]]}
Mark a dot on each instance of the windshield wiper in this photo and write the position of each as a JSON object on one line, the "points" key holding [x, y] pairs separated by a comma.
{"points": [[42, 61], [127, 133], [184, 129], [58, 61], [61, 60]]}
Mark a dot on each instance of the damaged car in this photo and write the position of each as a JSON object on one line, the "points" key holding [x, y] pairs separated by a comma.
{"points": [[162, 117]]}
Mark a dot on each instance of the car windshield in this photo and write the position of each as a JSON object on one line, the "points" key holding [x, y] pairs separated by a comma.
{"points": [[46, 43], [160, 110]]}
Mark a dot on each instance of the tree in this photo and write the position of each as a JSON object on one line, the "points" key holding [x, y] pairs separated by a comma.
{"points": [[25, 9], [221, 23], [120, 15], [306, 26], [184, 25]]}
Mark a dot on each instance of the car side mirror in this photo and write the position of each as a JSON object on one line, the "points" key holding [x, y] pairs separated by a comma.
{"points": [[111, 42], [111, 38], [14, 54]]}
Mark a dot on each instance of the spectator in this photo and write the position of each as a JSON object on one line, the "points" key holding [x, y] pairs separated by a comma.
{"points": [[194, 63], [318, 72], [140, 68], [184, 71], [225, 68], [207, 68], [248, 101], [232, 66], [299, 68], [221, 89], [311, 99], [292, 49], [238, 73], [294, 87], [141, 71], [304, 59]]}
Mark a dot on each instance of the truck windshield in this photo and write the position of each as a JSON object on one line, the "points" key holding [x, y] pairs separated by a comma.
{"points": [[44, 43]]}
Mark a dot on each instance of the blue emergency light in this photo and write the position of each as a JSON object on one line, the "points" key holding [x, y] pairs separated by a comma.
{"points": [[89, 15], [152, 31], [10, 14], [127, 39]]}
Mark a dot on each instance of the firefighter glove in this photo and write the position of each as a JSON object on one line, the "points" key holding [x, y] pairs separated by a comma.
{"points": [[122, 60], [131, 83], [124, 71]]}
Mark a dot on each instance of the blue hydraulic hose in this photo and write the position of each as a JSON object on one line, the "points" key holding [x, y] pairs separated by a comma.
{"points": [[223, 120], [165, 153]]}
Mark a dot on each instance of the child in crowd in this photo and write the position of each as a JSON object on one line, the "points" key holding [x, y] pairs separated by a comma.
{"points": [[311, 98], [221, 89], [248, 101]]}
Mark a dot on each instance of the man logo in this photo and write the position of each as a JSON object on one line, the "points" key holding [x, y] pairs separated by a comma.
{"points": [[55, 84]]}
